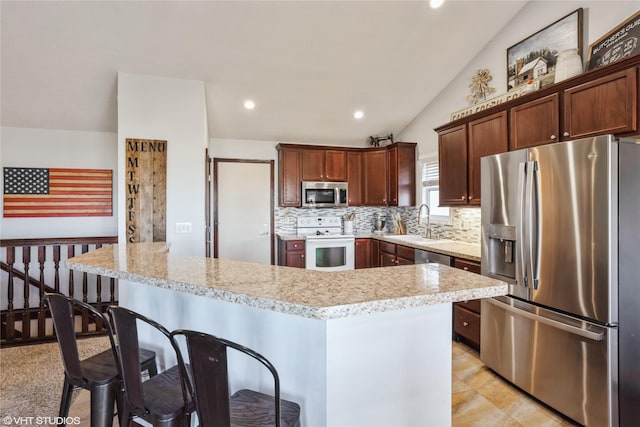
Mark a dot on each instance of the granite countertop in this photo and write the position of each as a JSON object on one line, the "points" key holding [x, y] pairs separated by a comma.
{"points": [[306, 293], [470, 251]]}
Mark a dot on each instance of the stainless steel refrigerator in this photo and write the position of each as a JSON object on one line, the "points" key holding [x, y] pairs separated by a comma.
{"points": [[560, 224]]}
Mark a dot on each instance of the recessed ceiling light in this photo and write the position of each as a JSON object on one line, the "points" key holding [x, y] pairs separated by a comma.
{"points": [[435, 3], [358, 114], [249, 104]]}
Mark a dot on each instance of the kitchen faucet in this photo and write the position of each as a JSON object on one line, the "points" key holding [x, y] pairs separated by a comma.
{"points": [[428, 230]]}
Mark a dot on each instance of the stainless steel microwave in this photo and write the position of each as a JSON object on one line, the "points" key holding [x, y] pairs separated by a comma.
{"points": [[324, 194]]}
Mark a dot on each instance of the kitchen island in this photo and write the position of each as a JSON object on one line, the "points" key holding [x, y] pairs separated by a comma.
{"points": [[353, 348]]}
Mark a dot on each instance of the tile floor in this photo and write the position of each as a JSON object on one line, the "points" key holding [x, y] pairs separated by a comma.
{"points": [[479, 398]]}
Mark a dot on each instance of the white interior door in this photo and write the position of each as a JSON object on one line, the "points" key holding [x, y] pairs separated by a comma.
{"points": [[243, 210]]}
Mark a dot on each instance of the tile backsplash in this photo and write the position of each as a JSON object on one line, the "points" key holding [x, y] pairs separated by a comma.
{"points": [[464, 222]]}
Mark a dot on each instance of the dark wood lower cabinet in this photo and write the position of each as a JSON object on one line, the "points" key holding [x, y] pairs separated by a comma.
{"points": [[391, 255], [363, 253], [466, 314], [291, 253]]}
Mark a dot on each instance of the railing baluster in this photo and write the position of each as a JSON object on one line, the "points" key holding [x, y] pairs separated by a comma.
{"points": [[26, 311], [10, 328], [71, 252], [85, 290], [99, 294], [56, 267], [42, 256]]}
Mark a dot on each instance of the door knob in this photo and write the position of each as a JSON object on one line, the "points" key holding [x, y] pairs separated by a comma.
{"points": [[465, 324], [552, 137], [565, 134]]}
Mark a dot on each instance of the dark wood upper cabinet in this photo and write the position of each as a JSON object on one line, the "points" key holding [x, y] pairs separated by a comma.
{"points": [[401, 160], [598, 102], [452, 162], [335, 165], [324, 165], [312, 165], [535, 123], [605, 105], [354, 177], [289, 172], [370, 172], [488, 135], [374, 177]]}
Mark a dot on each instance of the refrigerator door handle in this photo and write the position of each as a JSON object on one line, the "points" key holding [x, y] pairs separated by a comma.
{"points": [[528, 225], [534, 224], [594, 336], [520, 245]]}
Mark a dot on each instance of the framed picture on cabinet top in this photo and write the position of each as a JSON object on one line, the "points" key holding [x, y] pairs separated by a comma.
{"points": [[619, 43], [534, 58]]}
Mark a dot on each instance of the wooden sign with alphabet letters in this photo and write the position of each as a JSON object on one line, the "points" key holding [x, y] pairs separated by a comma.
{"points": [[146, 188]]}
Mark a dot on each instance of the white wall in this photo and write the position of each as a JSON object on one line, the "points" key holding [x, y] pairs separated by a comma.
{"points": [[172, 110], [243, 149], [48, 148], [599, 18]]}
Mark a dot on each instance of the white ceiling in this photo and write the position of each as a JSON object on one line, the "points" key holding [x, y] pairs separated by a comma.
{"points": [[307, 64]]}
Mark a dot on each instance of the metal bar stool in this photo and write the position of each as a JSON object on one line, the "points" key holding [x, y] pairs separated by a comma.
{"points": [[98, 373], [208, 364], [164, 400]]}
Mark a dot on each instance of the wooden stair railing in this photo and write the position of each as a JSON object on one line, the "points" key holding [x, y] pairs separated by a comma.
{"points": [[24, 319]]}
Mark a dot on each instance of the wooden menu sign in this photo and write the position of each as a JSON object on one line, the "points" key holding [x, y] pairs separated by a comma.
{"points": [[146, 187]]}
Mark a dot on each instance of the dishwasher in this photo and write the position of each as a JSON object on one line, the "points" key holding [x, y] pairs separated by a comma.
{"points": [[425, 257]]}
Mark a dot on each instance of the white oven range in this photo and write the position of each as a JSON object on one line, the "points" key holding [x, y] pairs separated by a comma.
{"points": [[326, 247]]}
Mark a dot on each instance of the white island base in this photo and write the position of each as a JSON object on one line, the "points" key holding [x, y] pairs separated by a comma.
{"points": [[386, 369]]}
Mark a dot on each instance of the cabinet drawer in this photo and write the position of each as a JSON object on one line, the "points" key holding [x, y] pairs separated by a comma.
{"points": [[466, 324], [471, 305], [406, 252], [467, 265], [389, 248], [295, 245]]}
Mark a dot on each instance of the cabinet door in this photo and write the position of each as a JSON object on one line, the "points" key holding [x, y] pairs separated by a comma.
{"points": [[335, 165], [296, 259], [392, 175], [374, 167], [535, 123], [405, 178], [312, 165], [487, 136], [354, 177], [363, 253], [289, 167], [387, 259], [452, 159], [466, 324], [605, 105]]}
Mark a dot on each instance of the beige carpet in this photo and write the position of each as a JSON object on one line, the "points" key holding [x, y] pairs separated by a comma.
{"points": [[31, 379]]}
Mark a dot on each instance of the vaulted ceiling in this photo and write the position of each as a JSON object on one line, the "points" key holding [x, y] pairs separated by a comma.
{"points": [[308, 65]]}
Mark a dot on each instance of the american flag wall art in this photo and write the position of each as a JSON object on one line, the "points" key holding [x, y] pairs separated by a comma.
{"points": [[44, 192]]}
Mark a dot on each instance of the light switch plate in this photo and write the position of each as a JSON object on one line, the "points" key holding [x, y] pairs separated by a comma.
{"points": [[183, 227]]}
